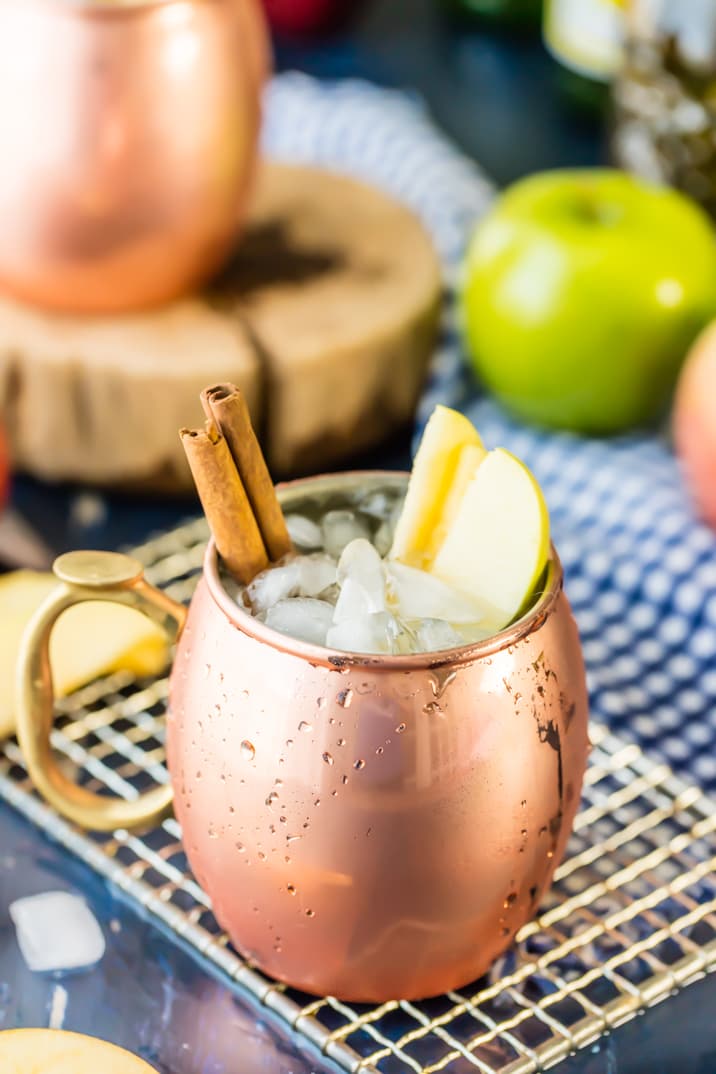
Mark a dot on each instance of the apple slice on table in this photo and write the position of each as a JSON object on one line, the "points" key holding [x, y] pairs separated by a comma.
{"points": [[449, 451], [497, 546]]}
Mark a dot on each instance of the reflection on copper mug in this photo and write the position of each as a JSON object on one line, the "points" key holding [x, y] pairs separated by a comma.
{"points": [[129, 132], [369, 827]]}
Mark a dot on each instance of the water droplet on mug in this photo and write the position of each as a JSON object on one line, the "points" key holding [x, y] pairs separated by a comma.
{"points": [[431, 708], [261, 856], [277, 948], [510, 900], [305, 726], [282, 819], [212, 832], [360, 763], [291, 889], [345, 698], [334, 794], [286, 858], [328, 758], [248, 751], [331, 719], [289, 741], [273, 797], [523, 803], [341, 742], [278, 782], [232, 809], [317, 802], [321, 702], [310, 913], [241, 848], [344, 780], [292, 838], [379, 750], [400, 728], [207, 670]]}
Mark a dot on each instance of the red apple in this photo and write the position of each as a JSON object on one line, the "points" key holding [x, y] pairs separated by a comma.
{"points": [[695, 422], [308, 16]]}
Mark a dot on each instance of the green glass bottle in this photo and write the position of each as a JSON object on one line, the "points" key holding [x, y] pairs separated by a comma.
{"points": [[586, 39], [508, 14]]}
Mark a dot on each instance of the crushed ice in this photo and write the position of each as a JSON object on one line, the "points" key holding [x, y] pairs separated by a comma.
{"points": [[340, 591]]}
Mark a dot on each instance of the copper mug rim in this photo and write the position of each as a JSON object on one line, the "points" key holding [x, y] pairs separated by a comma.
{"points": [[327, 657]]}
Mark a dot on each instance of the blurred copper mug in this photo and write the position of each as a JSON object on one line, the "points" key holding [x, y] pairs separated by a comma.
{"points": [[128, 134], [369, 827]]}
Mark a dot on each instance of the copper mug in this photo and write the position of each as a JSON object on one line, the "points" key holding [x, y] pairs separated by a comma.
{"points": [[128, 131], [370, 827]]}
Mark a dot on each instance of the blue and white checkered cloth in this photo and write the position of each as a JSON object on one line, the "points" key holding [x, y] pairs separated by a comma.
{"points": [[640, 569]]}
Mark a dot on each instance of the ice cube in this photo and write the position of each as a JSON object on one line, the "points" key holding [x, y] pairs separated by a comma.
{"points": [[56, 931], [434, 634], [316, 574], [377, 504], [303, 618], [366, 634], [340, 528], [383, 538], [353, 602], [415, 594], [273, 585], [362, 579], [474, 632], [303, 532]]}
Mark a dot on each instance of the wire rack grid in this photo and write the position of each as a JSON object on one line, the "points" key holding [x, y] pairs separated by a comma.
{"points": [[630, 918]]}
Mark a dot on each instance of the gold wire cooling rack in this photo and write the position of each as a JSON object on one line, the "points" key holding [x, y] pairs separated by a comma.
{"points": [[630, 919]]}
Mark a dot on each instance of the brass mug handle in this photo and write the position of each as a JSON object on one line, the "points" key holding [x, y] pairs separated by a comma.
{"points": [[84, 576]]}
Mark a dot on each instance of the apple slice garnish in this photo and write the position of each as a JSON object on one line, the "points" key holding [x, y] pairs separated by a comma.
{"points": [[498, 545], [449, 451]]}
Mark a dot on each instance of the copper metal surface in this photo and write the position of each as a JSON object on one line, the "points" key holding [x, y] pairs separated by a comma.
{"points": [[389, 822], [84, 576], [630, 918], [129, 134]]}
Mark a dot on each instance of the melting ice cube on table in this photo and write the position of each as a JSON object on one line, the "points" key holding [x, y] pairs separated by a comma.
{"points": [[56, 931]]}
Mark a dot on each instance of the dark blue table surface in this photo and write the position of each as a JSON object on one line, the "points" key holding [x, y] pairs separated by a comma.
{"points": [[500, 100]]}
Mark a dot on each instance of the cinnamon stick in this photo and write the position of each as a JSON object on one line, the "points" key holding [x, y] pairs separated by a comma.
{"points": [[225, 502], [225, 405]]}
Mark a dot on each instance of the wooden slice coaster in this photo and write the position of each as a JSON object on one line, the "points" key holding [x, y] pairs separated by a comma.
{"points": [[326, 319]]}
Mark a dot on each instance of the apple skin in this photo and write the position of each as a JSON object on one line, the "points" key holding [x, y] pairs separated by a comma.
{"points": [[298, 17], [694, 423], [582, 291]]}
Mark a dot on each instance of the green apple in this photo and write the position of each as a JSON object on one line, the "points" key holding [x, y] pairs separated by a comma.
{"points": [[582, 293], [498, 544], [449, 452]]}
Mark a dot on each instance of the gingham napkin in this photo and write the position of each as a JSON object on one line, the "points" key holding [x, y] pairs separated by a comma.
{"points": [[640, 569]]}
